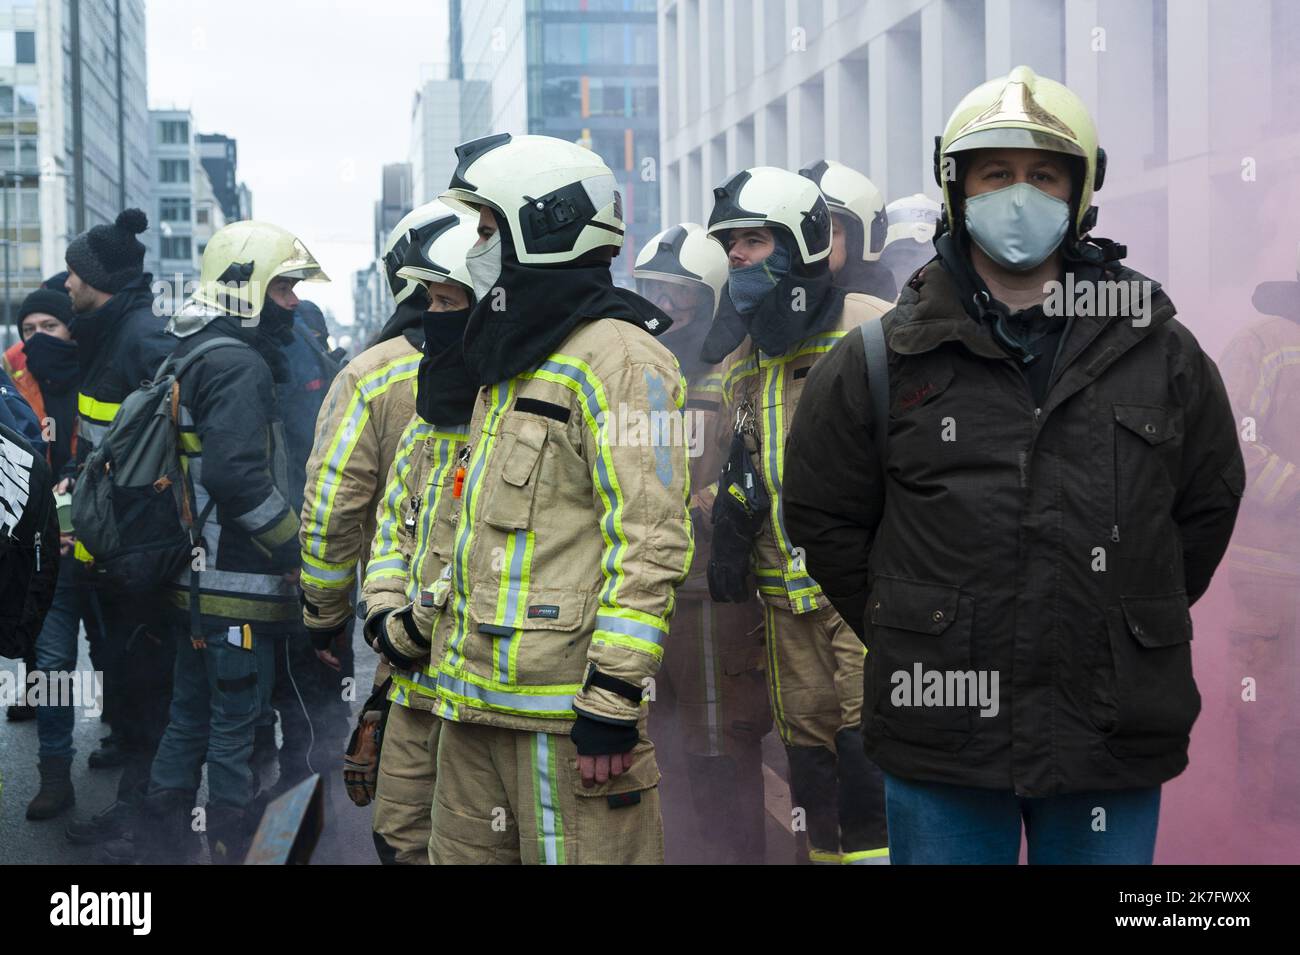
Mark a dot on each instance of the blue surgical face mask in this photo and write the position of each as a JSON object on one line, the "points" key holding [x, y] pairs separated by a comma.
{"points": [[748, 284], [1017, 227]]}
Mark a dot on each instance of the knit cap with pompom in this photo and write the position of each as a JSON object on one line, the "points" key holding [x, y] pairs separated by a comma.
{"points": [[110, 257]]}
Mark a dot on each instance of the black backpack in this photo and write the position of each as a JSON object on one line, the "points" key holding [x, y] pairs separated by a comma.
{"points": [[29, 544], [131, 506]]}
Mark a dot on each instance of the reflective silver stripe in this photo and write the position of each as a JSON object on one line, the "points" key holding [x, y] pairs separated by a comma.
{"points": [[234, 582], [530, 702], [262, 515], [546, 799], [372, 568], [630, 628], [91, 431], [710, 678], [335, 576]]}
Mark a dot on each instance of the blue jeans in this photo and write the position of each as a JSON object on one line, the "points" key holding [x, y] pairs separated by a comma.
{"points": [[217, 695], [936, 824], [56, 650]]}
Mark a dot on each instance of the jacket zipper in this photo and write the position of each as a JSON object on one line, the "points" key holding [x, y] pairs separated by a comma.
{"points": [[38, 552], [1114, 527]]}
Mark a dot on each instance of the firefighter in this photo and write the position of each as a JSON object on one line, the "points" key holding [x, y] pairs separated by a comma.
{"points": [[782, 312], [412, 544], [573, 530], [713, 666], [240, 590], [860, 226]]}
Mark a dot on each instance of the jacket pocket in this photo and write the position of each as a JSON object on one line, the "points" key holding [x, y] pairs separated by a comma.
{"points": [[919, 685], [1143, 488], [510, 503], [1155, 696], [548, 647], [619, 821]]}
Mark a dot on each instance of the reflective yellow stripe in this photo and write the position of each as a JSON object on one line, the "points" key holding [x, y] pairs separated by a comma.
{"points": [[102, 412], [238, 608], [81, 554], [286, 528], [866, 857], [344, 442]]}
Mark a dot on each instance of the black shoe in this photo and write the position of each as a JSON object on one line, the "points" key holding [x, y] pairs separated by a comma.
{"points": [[20, 714], [119, 851], [108, 756], [56, 794], [104, 826]]}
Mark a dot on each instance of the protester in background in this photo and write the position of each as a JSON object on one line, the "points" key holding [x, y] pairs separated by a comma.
{"points": [[45, 369], [120, 342]]}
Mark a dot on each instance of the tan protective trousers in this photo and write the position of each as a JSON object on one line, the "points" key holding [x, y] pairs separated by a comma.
{"points": [[509, 796], [814, 675], [404, 791]]}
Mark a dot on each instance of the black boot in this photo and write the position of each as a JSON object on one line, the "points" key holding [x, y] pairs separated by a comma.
{"points": [[165, 835], [56, 794], [863, 832], [108, 756], [813, 788], [103, 826], [229, 834]]}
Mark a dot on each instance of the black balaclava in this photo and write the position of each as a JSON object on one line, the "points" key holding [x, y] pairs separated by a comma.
{"points": [[445, 390], [530, 310], [873, 278], [274, 332], [777, 324], [52, 362]]}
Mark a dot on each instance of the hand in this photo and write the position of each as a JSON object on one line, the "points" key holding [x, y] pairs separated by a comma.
{"points": [[66, 543], [64, 486], [596, 770], [330, 655]]}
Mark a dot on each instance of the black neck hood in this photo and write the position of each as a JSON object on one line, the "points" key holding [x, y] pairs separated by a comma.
{"points": [[530, 310], [797, 307], [445, 390]]}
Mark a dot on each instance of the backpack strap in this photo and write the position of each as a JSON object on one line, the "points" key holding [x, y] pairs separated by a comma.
{"points": [[877, 354]]}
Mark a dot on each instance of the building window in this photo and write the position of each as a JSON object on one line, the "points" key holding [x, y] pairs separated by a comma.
{"points": [[174, 170], [176, 247], [174, 209], [25, 46], [201, 217], [174, 132]]}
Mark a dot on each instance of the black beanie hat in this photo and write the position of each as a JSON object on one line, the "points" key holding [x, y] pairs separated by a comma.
{"points": [[49, 302], [109, 257]]}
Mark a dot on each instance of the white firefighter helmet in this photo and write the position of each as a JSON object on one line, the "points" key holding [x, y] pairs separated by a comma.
{"points": [[684, 255], [768, 197], [851, 194], [436, 251], [240, 261], [418, 219], [913, 217], [559, 200]]}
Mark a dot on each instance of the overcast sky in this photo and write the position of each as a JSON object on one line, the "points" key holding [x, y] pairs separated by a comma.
{"points": [[318, 94]]}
